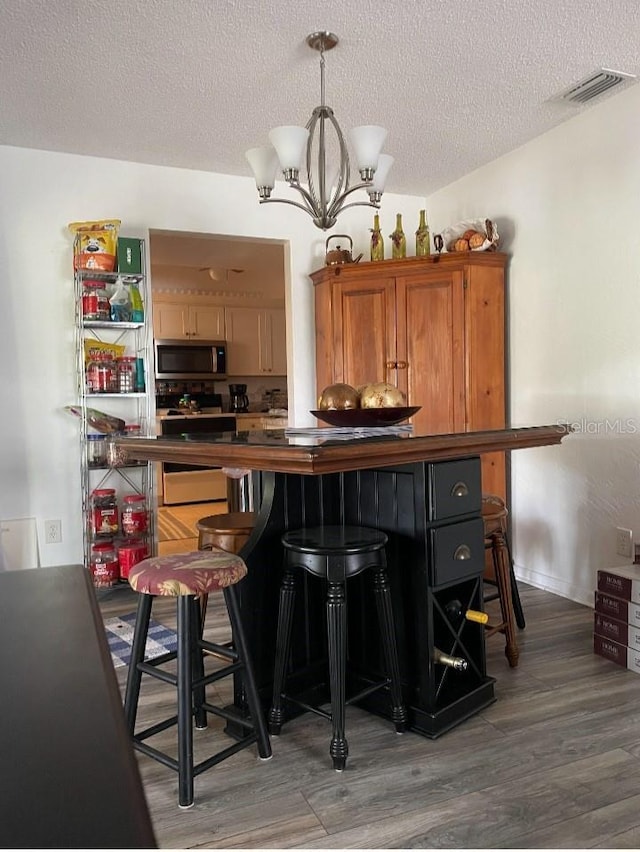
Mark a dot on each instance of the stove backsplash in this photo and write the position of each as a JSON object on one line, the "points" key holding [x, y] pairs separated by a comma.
{"points": [[212, 394]]}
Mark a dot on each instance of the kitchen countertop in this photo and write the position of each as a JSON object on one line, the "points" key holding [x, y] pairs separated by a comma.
{"points": [[277, 414], [200, 415]]}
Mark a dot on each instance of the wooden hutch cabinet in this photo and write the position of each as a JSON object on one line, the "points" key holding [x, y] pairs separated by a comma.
{"points": [[433, 326]]}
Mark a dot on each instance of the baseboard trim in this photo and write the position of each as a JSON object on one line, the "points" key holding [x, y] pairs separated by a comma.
{"points": [[555, 585]]}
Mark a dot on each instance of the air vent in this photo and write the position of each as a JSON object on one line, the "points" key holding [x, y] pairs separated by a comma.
{"points": [[596, 84]]}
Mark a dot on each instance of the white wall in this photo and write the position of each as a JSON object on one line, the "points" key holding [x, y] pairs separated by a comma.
{"points": [[41, 193], [568, 206]]}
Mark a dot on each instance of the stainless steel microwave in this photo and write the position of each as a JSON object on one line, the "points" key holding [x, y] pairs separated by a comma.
{"points": [[191, 359]]}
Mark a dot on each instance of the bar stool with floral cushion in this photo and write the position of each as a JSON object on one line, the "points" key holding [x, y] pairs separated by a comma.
{"points": [[187, 577]]}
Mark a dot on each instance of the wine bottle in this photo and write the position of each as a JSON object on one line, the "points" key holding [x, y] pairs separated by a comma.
{"points": [[455, 612], [457, 663], [422, 236], [398, 240], [377, 240]]}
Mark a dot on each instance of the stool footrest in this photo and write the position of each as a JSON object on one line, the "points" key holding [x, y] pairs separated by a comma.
{"points": [[313, 708], [225, 753], [155, 729], [229, 715], [217, 675], [367, 691], [172, 763]]}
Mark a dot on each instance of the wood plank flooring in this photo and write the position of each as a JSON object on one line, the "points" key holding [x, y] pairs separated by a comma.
{"points": [[552, 764]]}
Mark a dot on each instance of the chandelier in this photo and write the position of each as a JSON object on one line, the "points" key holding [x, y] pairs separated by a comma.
{"points": [[327, 186]]}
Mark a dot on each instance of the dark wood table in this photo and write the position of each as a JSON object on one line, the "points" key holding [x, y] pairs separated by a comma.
{"points": [[69, 776], [384, 482]]}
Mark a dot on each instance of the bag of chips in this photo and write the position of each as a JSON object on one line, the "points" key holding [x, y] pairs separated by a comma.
{"points": [[95, 244]]}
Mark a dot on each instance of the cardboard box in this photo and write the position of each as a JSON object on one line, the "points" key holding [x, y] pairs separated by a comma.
{"points": [[621, 582], [129, 259], [617, 608], [617, 631], [617, 653]]}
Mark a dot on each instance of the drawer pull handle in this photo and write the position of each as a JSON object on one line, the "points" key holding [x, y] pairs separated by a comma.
{"points": [[463, 552], [460, 489]]}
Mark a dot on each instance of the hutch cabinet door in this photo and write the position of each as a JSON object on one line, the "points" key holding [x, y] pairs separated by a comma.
{"points": [[485, 364], [364, 331], [430, 353]]}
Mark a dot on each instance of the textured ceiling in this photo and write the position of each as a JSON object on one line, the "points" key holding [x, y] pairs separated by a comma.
{"points": [[193, 83]]}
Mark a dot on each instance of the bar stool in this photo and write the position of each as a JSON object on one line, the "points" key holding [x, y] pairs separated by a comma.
{"points": [[494, 515], [336, 553], [185, 576], [491, 502], [228, 532]]}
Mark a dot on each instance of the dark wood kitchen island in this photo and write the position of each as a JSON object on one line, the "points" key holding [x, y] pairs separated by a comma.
{"points": [[425, 492]]}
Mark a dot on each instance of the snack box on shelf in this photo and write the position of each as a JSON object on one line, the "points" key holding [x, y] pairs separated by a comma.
{"points": [[129, 257]]}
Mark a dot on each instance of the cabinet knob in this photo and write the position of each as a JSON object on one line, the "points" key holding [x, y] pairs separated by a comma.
{"points": [[401, 365], [460, 489], [462, 553], [391, 365]]}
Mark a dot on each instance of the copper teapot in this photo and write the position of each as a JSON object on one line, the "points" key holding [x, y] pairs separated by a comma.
{"points": [[339, 255]]}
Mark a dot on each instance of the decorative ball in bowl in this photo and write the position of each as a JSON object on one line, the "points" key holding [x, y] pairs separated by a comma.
{"points": [[362, 417]]}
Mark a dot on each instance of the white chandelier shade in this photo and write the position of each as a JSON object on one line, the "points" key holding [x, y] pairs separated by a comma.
{"points": [[367, 144]]}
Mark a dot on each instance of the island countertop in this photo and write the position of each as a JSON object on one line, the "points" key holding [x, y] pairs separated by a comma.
{"points": [[280, 451]]}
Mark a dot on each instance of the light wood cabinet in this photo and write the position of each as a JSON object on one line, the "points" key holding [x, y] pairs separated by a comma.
{"points": [[435, 327], [179, 321], [256, 341]]}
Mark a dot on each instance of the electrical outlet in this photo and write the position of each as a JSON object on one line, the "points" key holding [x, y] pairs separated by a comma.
{"points": [[624, 542], [52, 532]]}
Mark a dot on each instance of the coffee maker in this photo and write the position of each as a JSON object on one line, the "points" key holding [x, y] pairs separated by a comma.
{"points": [[238, 399]]}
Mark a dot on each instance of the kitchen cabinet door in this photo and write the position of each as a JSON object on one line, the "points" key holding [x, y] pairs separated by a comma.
{"points": [[177, 321], [243, 341], [256, 343], [170, 321], [276, 341], [206, 322]]}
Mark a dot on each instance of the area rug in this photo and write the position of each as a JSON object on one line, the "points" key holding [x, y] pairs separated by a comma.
{"points": [[160, 639]]}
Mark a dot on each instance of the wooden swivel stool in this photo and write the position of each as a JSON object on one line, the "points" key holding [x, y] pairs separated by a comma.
{"points": [[494, 516], [228, 532], [186, 576], [490, 504], [335, 554]]}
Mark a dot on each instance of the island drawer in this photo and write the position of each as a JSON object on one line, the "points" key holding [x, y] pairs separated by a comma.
{"points": [[457, 552], [455, 488]]}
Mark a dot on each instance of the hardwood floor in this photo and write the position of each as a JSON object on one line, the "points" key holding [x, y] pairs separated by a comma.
{"points": [[553, 763]]}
